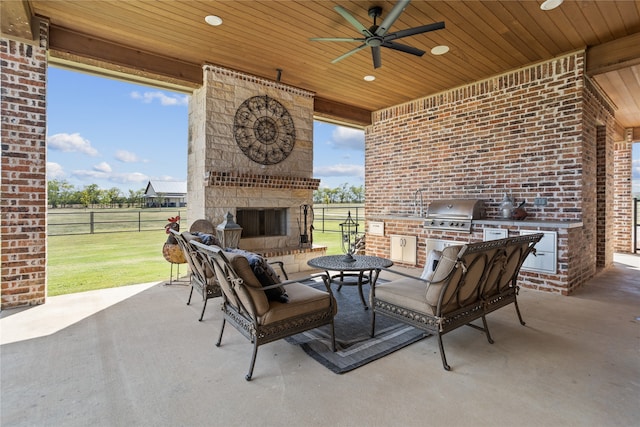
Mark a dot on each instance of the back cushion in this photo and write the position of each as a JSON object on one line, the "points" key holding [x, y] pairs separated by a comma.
{"points": [[445, 266], [265, 274], [241, 266]]}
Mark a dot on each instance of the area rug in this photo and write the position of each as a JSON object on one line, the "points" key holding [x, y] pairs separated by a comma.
{"points": [[354, 346]]}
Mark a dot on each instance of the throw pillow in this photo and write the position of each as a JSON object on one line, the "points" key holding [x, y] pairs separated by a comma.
{"points": [[265, 274], [431, 264], [207, 239]]}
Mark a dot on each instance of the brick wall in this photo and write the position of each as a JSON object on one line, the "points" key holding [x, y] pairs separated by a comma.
{"points": [[623, 201], [24, 182], [529, 133]]}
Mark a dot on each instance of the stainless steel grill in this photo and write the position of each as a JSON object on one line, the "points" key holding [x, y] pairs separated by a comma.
{"points": [[454, 214]]}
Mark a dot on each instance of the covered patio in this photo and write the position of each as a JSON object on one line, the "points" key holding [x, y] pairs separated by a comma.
{"points": [[137, 356]]}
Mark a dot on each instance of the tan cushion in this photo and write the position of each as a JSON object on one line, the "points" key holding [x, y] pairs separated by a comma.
{"points": [[445, 266], [302, 299], [243, 269], [405, 292]]}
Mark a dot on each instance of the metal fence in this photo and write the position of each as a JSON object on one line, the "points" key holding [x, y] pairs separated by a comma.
{"points": [[326, 218], [72, 221]]}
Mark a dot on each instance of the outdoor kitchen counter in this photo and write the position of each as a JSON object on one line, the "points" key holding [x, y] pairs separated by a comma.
{"points": [[529, 223]]}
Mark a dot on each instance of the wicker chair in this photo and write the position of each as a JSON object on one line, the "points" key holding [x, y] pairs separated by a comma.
{"points": [[246, 307]]}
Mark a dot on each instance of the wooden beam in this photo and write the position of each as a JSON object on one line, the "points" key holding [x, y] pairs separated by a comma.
{"points": [[67, 45], [16, 19], [614, 55], [340, 113]]}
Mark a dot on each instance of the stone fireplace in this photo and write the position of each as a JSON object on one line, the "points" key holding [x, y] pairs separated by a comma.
{"points": [[263, 182]]}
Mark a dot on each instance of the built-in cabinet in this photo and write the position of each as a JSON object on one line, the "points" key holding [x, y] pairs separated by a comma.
{"points": [[404, 249], [494, 234], [545, 258]]}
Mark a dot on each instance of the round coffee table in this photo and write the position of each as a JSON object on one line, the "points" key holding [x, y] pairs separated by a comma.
{"points": [[352, 273]]}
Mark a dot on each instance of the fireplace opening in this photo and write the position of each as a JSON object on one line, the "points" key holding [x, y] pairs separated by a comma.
{"points": [[262, 222]]}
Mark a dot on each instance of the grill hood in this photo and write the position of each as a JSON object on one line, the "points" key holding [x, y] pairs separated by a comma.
{"points": [[454, 214]]}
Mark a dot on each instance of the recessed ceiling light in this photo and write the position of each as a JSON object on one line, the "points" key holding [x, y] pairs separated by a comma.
{"points": [[550, 4], [213, 20], [369, 78], [440, 50]]}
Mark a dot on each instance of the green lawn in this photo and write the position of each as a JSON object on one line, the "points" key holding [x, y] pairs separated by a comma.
{"points": [[96, 261]]}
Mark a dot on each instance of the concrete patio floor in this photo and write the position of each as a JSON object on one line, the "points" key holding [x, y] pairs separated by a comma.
{"points": [[137, 356]]}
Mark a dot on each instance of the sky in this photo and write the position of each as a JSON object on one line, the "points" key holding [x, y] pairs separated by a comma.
{"points": [[118, 134]]}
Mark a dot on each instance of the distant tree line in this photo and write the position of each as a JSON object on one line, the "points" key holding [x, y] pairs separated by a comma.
{"points": [[341, 194], [62, 194]]}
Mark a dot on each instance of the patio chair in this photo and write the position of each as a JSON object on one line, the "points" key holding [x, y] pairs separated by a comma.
{"points": [[201, 276], [260, 320]]}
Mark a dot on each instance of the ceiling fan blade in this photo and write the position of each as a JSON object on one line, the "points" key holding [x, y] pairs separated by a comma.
{"points": [[351, 52], [413, 31], [353, 21], [336, 39], [377, 58], [391, 17], [404, 48]]}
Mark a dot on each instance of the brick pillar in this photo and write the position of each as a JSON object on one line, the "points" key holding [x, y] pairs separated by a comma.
{"points": [[23, 71]]}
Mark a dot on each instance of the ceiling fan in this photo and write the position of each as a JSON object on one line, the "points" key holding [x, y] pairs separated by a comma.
{"points": [[377, 36]]}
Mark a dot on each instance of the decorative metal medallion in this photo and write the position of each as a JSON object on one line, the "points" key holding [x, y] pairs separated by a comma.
{"points": [[264, 130]]}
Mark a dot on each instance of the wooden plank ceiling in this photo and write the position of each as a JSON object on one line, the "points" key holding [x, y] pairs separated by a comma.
{"points": [[170, 38]]}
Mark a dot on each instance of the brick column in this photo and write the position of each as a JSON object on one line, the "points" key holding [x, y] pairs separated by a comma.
{"points": [[23, 71]]}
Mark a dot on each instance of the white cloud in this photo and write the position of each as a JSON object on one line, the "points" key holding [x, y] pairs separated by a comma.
{"points": [[347, 138], [163, 98], [127, 178], [127, 156], [89, 174], [102, 167], [55, 171], [71, 143], [339, 170], [108, 175]]}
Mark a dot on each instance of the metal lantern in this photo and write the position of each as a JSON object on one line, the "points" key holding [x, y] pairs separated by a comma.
{"points": [[349, 230], [229, 232]]}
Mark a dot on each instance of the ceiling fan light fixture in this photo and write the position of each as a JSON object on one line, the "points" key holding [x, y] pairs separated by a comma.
{"points": [[550, 4], [440, 50], [213, 20], [369, 78]]}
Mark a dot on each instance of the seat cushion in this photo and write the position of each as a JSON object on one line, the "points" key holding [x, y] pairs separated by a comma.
{"points": [[302, 299], [405, 292]]}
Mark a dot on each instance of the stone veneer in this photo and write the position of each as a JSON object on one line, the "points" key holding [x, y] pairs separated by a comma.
{"points": [[221, 178], [23, 70], [541, 131]]}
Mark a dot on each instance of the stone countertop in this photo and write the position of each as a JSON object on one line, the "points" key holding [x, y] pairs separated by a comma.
{"points": [[527, 222]]}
